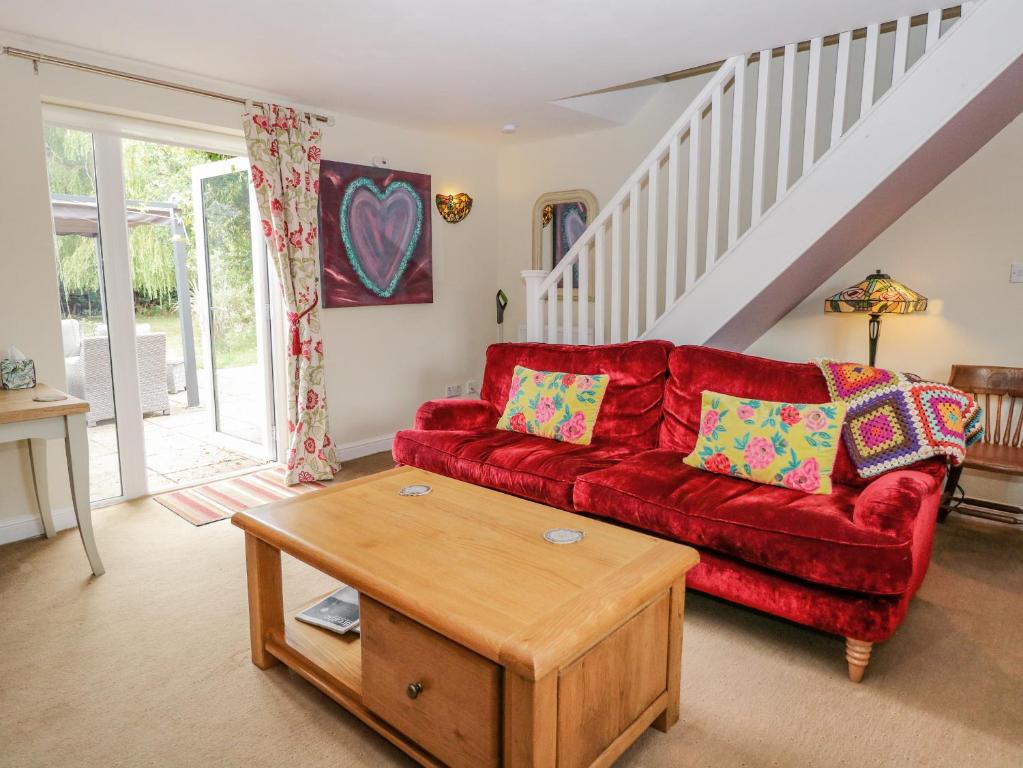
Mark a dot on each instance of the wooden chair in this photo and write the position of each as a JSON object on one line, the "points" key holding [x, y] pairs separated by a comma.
{"points": [[999, 391]]}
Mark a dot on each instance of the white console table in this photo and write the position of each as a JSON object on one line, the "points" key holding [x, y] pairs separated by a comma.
{"points": [[23, 418]]}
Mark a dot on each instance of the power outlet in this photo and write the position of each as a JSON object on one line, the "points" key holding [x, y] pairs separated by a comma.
{"points": [[1016, 273], [453, 390], [472, 387]]}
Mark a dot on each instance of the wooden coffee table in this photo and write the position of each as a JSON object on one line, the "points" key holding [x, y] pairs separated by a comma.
{"points": [[482, 644]]}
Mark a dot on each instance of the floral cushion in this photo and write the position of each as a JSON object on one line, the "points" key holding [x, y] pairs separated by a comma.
{"points": [[788, 444], [559, 406]]}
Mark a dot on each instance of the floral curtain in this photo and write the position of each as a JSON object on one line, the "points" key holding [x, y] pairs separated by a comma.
{"points": [[284, 155]]}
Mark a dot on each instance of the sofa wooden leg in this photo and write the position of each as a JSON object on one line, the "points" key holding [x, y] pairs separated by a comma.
{"points": [[857, 654]]}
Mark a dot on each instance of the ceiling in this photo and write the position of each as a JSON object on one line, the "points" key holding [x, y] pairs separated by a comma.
{"points": [[460, 65]]}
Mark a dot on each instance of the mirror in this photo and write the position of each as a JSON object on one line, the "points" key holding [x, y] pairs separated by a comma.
{"points": [[559, 218]]}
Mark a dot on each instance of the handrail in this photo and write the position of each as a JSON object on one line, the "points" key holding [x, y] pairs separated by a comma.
{"points": [[701, 102]]}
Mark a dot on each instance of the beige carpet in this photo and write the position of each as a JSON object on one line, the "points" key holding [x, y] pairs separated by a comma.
{"points": [[149, 665]]}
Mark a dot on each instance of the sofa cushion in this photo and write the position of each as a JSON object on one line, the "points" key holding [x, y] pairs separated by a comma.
{"points": [[691, 370], [813, 538], [631, 410], [524, 465]]}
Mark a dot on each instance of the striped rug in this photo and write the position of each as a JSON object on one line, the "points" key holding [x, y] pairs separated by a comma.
{"points": [[214, 501]]}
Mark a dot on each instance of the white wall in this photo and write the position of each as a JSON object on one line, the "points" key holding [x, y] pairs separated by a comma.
{"points": [[382, 362]]}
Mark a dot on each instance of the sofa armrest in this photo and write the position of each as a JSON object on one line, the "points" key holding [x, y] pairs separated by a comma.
{"points": [[456, 414], [891, 503]]}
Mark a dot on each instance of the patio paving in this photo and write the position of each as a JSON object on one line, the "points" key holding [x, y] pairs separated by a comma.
{"points": [[181, 447]]}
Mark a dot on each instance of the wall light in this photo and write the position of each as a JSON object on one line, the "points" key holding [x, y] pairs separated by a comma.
{"points": [[454, 208]]}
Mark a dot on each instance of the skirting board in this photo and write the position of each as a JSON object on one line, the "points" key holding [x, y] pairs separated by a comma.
{"points": [[360, 448], [30, 526]]}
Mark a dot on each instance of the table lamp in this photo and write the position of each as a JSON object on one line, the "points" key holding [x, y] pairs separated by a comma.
{"points": [[876, 295]]}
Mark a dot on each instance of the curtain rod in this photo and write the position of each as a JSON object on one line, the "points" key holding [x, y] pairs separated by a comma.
{"points": [[36, 57]]}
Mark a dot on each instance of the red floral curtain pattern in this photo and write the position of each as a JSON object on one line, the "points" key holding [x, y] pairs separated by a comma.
{"points": [[284, 155]]}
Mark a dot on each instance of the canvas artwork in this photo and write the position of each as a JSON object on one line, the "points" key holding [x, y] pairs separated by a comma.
{"points": [[569, 224], [375, 236]]}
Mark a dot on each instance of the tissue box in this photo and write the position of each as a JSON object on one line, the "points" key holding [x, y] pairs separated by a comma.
{"points": [[17, 374]]}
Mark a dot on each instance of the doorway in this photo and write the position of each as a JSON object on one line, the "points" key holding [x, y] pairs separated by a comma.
{"points": [[165, 308]]}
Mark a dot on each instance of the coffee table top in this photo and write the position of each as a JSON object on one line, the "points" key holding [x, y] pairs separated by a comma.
{"points": [[472, 563]]}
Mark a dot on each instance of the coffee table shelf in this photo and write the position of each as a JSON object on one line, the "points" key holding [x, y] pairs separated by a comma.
{"points": [[337, 656]]}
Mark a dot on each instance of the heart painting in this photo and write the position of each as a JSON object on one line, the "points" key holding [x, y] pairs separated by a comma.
{"points": [[375, 230]]}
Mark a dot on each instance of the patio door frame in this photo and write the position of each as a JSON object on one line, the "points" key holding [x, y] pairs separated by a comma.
{"points": [[108, 130], [261, 299]]}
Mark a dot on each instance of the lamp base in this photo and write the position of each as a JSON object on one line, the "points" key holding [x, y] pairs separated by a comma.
{"points": [[874, 331]]}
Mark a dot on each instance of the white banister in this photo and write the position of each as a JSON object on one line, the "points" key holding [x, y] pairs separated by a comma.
{"points": [[901, 48], [813, 86], [690, 232], [616, 274], [633, 308], [584, 295], [735, 185], [533, 278], [671, 258], [716, 130], [933, 29], [869, 68], [692, 221], [599, 283], [841, 86], [552, 314], [760, 141], [651, 244], [785, 131]]}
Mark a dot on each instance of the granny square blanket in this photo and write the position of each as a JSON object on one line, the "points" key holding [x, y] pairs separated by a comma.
{"points": [[895, 419]]}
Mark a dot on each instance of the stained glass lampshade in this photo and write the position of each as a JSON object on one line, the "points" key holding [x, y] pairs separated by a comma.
{"points": [[877, 294], [454, 208]]}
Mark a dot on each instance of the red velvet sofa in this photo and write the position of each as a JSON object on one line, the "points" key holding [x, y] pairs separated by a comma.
{"points": [[846, 563]]}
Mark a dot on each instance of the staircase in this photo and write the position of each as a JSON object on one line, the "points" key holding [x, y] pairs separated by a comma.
{"points": [[783, 168]]}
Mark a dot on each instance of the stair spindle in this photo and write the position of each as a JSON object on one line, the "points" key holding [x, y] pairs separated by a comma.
{"points": [[616, 274], [716, 129], [785, 130], [651, 243], [693, 218], [869, 68], [813, 83], [633, 331], [735, 185], [760, 142], [841, 87], [599, 286]]}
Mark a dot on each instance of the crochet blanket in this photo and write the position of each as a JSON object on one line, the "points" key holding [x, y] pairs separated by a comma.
{"points": [[896, 419]]}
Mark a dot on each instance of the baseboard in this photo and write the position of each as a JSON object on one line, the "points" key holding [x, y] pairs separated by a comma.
{"points": [[30, 526], [360, 448]]}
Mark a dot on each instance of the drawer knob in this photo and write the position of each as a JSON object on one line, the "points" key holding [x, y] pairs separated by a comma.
{"points": [[414, 689]]}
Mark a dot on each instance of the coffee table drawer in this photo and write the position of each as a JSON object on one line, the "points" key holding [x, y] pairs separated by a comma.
{"points": [[443, 696]]}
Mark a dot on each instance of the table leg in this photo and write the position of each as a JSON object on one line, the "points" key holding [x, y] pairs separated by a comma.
{"points": [[530, 721], [76, 443], [266, 602], [671, 714], [37, 452]]}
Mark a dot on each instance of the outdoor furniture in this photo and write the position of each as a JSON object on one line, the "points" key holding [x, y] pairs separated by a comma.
{"points": [[89, 377], [22, 417], [999, 390]]}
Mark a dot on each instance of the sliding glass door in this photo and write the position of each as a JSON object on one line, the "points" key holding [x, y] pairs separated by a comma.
{"points": [[165, 309]]}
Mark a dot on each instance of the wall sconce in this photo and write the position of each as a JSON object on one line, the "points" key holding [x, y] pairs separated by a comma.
{"points": [[454, 208]]}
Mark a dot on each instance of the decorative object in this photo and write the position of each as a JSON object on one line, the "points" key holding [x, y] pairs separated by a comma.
{"points": [[284, 155], [454, 208], [210, 502], [896, 420], [877, 294], [846, 563], [559, 218], [563, 536], [558, 406], [414, 490], [17, 374], [440, 670], [30, 414], [502, 304], [1001, 450], [377, 241], [788, 444], [548, 214]]}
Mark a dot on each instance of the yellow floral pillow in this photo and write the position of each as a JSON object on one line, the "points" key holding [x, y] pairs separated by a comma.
{"points": [[560, 406], [788, 444]]}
